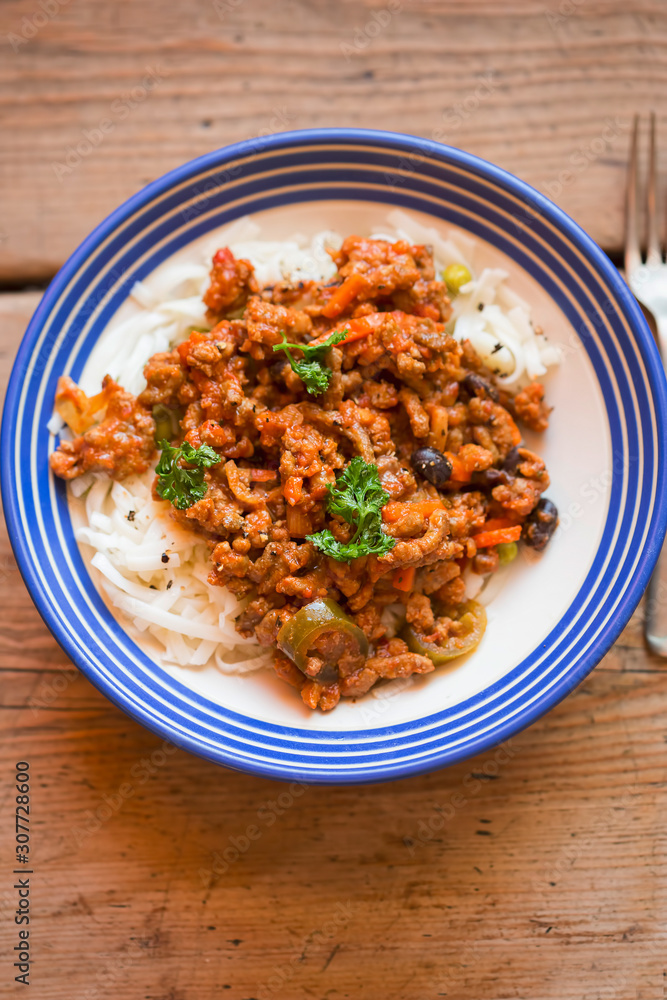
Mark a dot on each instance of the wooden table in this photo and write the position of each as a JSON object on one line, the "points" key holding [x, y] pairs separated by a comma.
{"points": [[538, 872]]}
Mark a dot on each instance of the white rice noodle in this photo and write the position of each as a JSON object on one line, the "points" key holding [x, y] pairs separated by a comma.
{"points": [[473, 584], [393, 618], [296, 259], [498, 324], [178, 280], [81, 485], [158, 327], [55, 424], [173, 600]]}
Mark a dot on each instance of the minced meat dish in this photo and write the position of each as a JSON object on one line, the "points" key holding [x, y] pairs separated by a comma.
{"points": [[342, 454]]}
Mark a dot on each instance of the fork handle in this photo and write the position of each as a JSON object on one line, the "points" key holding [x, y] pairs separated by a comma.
{"points": [[655, 621], [661, 323]]}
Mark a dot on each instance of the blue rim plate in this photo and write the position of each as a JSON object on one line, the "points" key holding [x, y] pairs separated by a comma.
{"points": [[312, 166]]}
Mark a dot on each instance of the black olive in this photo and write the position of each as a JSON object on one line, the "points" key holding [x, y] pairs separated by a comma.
{"points": [[475, 385], [540, 525], [512, 460], [490, 478], [432, 465], [276, 369]]}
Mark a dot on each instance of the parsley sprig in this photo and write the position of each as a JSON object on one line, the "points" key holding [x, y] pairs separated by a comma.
{"points": [[311, 369], [358, 498], [182, 486]]}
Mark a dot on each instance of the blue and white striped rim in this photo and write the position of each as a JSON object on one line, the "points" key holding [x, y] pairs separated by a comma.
{"points": [[311, 166]]}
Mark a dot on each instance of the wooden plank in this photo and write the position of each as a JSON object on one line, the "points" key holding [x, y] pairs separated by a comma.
{"points": [[536, 871], [547, 92]]}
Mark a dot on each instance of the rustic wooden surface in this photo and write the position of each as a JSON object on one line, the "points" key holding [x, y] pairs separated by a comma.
{"points": [[538, 872], [546, 90]]}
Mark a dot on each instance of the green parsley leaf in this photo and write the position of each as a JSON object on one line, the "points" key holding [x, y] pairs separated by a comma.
{"points": [[358, 498], [358, 491], [312, 371], [315, 377], [347, 551], [183, 487]]}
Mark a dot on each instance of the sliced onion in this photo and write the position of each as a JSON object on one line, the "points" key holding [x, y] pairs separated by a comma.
{"points": [[298, 524]]}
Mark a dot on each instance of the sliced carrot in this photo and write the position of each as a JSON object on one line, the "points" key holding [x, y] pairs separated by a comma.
{"points": [[356, 329], [516, 433], [264, 475], [344, 294], [403, 578], [359, 328], [460, 473], [293, 489], [488, 538], [496, 524], [394, 510], [184, 349]]}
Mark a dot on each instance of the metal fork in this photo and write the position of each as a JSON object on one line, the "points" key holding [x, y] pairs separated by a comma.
{"points": [[648, 281]]}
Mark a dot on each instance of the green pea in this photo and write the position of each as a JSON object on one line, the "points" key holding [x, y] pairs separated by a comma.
{"points": [[455, 276], [507, 552]]}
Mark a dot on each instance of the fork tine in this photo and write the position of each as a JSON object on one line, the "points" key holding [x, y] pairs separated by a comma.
{"points": [[632, 253], [654, 256]]}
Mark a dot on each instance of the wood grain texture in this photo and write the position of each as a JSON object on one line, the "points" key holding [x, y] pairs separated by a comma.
{"points": [[536, 871], [546, 90], [536, 874]]}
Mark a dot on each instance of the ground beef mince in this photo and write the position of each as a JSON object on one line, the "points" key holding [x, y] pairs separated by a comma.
{"points": [[457, 485]]}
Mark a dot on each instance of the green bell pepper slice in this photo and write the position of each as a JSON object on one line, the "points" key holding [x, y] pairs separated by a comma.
{"points": [[301, 631], [473, 618]]}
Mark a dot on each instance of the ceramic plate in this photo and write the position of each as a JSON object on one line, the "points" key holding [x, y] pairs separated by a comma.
{"points": [[551, 617]]}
